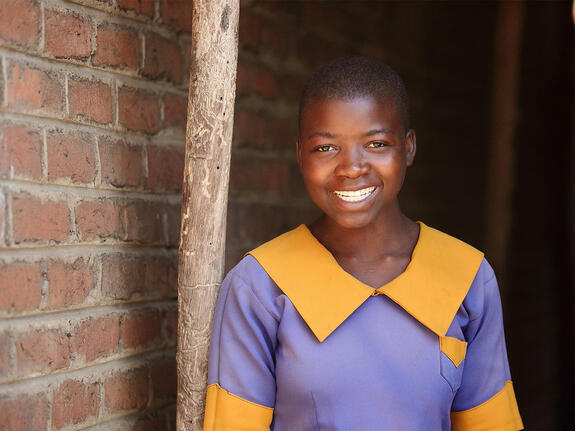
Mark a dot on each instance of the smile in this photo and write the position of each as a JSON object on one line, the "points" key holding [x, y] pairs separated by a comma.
{"points": [[355, 195]]}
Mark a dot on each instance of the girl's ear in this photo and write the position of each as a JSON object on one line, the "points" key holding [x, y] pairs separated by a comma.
{"points": [[411, 147]]}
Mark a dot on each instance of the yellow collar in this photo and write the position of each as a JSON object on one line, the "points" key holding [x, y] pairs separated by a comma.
{"points": [[431, 288]]}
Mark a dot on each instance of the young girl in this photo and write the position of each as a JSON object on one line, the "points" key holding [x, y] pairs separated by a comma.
{"points": [[363, 320]]}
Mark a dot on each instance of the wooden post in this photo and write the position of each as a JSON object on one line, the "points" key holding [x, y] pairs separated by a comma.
{"points": [[205, 192]]}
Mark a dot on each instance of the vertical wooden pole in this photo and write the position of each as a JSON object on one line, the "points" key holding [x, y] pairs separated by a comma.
{"points": [[205, 191]]}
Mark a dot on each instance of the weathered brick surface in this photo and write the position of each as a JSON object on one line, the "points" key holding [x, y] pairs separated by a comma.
{"points": [[98, 219], [140, 330], [97, 337], [89, 220], [70, 156], [144, 7], [70, 283], [165, 168], [90, 100], [67, 34], [138, 110], [121, 163], [178, 13], [20, 22], [175, 108], [127, 390], [20, 286], [74, 402], [164, 379], [30, 89], [163, 58], [24, 412], [145, 222], [117, 47], [42, 350], [37, 220], [21, 149]]}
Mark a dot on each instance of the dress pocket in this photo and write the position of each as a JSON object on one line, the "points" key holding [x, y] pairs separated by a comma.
{"points": [[452, 354]]}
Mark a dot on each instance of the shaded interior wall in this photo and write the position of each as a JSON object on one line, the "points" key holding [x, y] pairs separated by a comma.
{"points": [[445, 53], [93, 100]]}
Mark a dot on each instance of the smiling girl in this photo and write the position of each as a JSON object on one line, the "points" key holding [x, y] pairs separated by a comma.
{"points": [[365, 319]]}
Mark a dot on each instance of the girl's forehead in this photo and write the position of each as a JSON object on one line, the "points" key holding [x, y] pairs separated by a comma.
{"points": [[354, 112]]}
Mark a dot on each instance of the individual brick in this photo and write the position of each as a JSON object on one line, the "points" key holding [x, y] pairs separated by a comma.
{"points": [[33, 90], [42, 350], [20, 22], [250, 30], [21, 149], [177, 12], [138, 110], [70, 283], [121, 163], [161, 278], [34, 220], [99, 219], [20, 286], [127, 390], [143, 7], [141, 329], [144, 222], [122, 276], [74, 402], [175, 110], [174, 221], [70, 156], [249, 130], [164, 379], [97, 337], [171, 326], [163, 59], [117, 47], [90, 100], [165, 168], [265, 82], [67, 34], [24, 412], [2, 217], [259, 175]]}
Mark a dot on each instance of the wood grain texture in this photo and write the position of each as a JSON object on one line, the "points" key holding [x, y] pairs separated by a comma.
{"points": [[205, 192]]}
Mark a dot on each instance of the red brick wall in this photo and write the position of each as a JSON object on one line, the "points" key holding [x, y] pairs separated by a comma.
{"points": [[93, 100]]}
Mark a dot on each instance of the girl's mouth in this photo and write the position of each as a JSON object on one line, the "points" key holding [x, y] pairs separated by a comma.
{"points": [[355, 195]]}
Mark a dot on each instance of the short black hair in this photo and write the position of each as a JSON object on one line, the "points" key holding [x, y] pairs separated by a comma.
{"points": [[348, 78]]}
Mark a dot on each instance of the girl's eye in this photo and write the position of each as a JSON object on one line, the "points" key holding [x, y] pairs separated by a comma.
{"points": [[377, 144], [324, 148]]}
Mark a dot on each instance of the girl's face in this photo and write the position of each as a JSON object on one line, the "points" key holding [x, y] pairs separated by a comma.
{"points": [[353, 155]]}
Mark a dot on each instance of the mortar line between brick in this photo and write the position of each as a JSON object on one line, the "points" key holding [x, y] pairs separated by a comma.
{"points": [[55, 317], [161, 140], [70, 250], [91, 71], [44, 157], [116, 17], [129, 419], [104, 369], [90, 192], [42, 28]]}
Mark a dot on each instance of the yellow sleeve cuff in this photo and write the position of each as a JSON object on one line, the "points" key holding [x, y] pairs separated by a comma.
{"points": [[498, 413], [228, 412]]}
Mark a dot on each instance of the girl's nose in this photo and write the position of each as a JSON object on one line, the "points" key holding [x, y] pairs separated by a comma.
{"points": [[351, 164]]}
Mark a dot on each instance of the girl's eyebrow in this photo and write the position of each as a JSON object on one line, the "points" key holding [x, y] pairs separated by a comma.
{"points": [[379, 132], [322, 135]]}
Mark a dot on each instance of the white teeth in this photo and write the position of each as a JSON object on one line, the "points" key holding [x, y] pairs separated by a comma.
{"points": [[354, 196]]}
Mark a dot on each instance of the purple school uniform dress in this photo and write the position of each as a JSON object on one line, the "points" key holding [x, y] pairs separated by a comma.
{"points": [[300, 344]]}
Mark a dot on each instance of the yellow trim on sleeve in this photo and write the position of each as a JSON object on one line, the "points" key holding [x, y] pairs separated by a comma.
{"points": [[454, 348], [498, 413], [228, 412]]}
